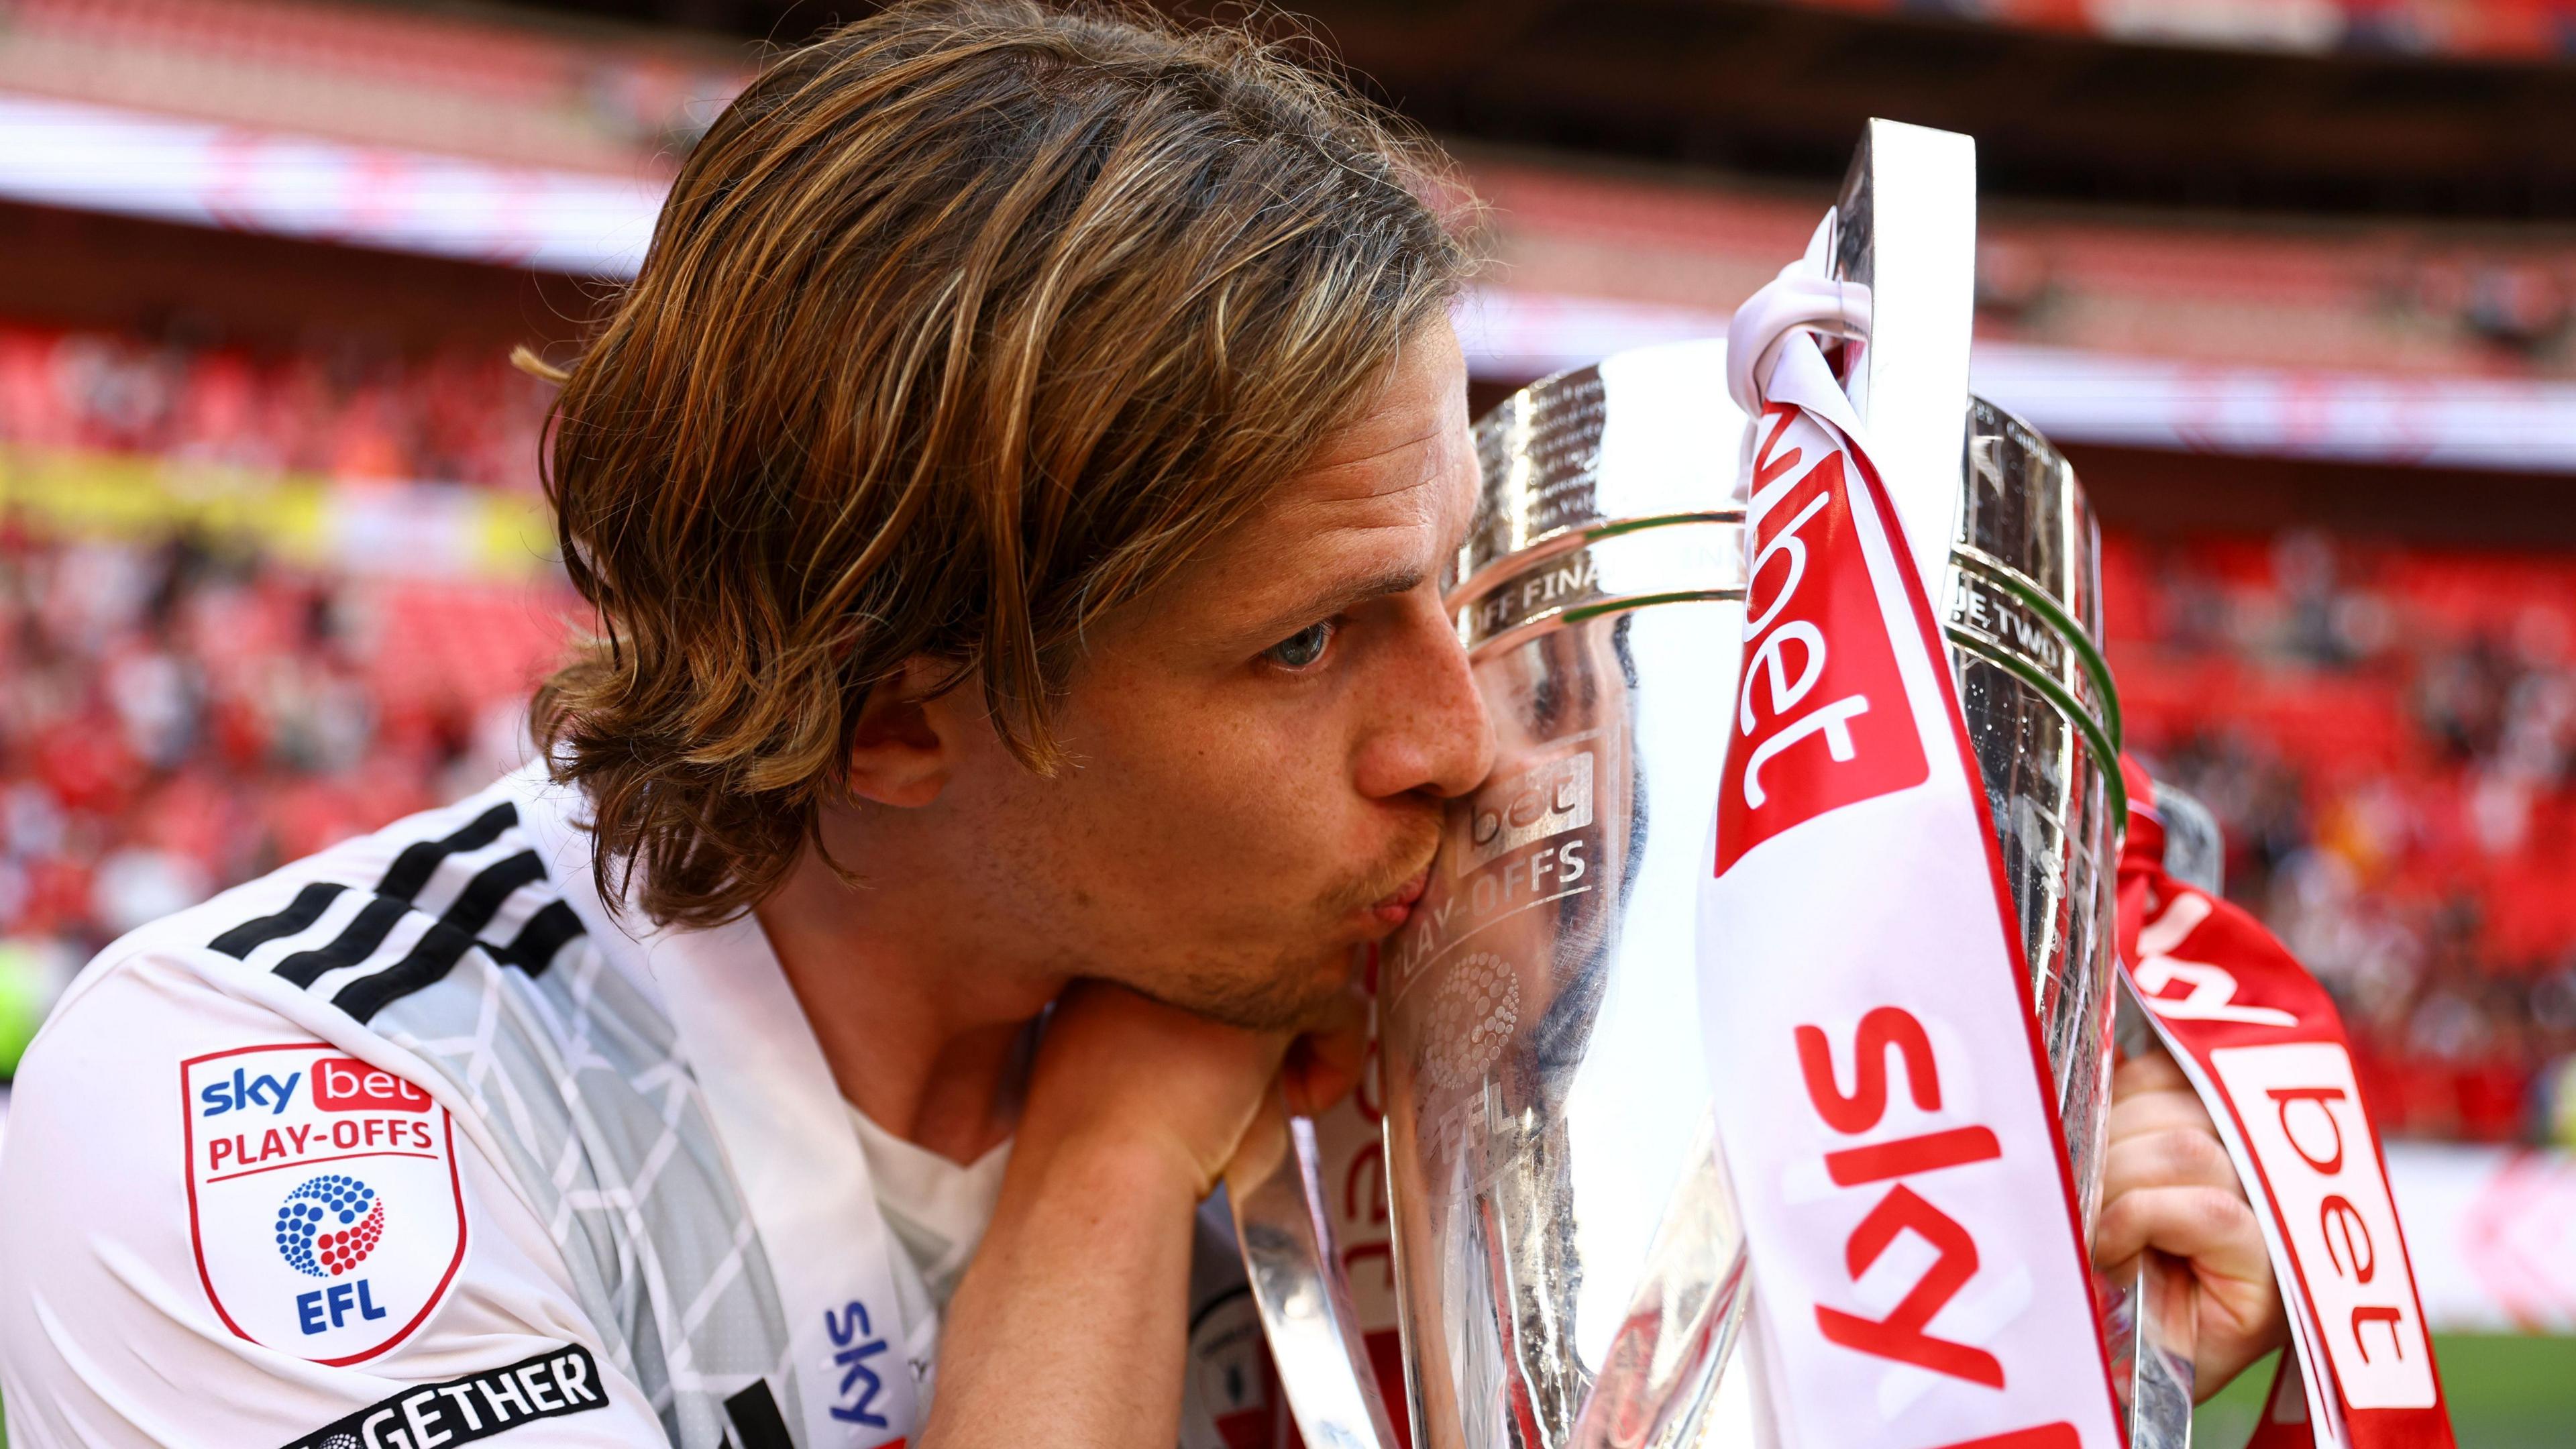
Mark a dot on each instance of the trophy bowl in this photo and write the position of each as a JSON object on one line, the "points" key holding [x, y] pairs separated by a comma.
{"points": [[1549, 1158], [1566, 1263]]}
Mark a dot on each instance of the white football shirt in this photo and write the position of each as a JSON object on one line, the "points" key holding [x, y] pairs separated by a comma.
{"points": [[412, 1144]]}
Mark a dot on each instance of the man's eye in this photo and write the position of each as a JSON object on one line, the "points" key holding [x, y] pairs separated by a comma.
{"points": [[1302, 648]]}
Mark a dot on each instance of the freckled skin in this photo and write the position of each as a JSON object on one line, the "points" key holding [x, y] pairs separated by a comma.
{"points": [[1228, 821], [1231, 820], [1237, 813]]}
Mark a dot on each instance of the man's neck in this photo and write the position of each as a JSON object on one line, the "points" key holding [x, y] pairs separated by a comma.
{"points": [[931, 1049]]}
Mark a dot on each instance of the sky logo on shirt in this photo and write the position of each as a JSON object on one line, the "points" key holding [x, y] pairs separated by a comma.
{"points": [[854, 1342], [305, 1164]]}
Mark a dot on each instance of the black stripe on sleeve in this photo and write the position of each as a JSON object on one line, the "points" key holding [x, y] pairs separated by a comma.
{"points": [[546, 933], [356, 942], [299, 915], [436, 954], [444, 943], [475, 905], [412, 869], [562, 1380]]}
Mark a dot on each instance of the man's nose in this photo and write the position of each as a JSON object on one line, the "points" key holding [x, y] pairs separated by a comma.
{"points": [[1434, 734]]}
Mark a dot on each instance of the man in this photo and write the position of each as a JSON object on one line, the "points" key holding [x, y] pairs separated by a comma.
{"points": [[1014, 496]]}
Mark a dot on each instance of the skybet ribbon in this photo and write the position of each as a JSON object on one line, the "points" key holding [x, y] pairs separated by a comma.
{"points": [[2265, 1049], [1884, 1099]]}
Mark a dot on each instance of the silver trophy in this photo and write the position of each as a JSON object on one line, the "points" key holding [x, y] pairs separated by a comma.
{"points": [[1567, 1263]]}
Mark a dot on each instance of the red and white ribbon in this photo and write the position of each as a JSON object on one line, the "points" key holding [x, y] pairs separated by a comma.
{"points": [[2260, 1040], [1884, 1099]]}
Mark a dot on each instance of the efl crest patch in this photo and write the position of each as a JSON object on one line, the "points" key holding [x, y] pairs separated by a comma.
{"points": [[322, 1198]]}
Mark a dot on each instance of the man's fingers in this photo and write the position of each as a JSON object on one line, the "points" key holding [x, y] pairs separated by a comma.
{"points": [[2211, 1226], [2240, 1315], [2149, 1071], [2175, 1157], [2167, 1183], [2140, 1113]]}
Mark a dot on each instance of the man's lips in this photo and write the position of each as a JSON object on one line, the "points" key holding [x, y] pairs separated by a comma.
{"points": [[1395, 908]]}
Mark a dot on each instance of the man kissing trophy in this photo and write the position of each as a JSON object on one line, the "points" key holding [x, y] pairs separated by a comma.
{"points": [[1744, 1068]]}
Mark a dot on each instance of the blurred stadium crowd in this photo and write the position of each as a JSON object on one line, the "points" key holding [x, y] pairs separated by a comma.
{"points": [[454, 417], [2386, 735], [183, 706], [2386, 732]]}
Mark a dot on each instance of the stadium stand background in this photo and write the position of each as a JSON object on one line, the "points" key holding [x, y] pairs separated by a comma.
{"points": [[2294, 282]]}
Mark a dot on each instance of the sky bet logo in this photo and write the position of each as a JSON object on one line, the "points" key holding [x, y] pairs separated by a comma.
{"points": [[242, 1091], [305, 1164], [340, 1084]]}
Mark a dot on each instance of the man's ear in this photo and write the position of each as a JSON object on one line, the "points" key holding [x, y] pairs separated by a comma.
{"points": [[904, 748]]}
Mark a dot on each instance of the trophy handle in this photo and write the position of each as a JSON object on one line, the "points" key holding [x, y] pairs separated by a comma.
{"points": [[1276, 1189], [2150, 1305]]}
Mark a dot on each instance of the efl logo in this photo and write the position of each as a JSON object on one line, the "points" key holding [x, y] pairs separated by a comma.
{"points": [[1822, 720], [329, 1225], [2302, 1118]]}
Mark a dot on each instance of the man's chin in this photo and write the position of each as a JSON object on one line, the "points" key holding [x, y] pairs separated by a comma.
{"points": [[1292, 996]]}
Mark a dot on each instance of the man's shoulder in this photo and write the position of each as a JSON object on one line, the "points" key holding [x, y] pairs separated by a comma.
{"points": [[332, 950], [213, 1171], [198, 1189], [304, 960], [234, 1155], [379, 917]]}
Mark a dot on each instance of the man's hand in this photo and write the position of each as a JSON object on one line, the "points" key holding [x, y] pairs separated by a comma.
{"points": [[1069, 1328], [1120, 1073], [2168, 1184]]}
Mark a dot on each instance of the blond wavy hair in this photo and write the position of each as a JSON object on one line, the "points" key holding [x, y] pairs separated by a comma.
{"points": [[962, 326]]}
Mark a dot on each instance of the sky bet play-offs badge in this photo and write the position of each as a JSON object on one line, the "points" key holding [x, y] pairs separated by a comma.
{"points": [[322, 1196]]}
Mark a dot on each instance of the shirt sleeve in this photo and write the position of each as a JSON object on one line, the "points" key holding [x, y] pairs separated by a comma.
{"points": [[217, 1230]]}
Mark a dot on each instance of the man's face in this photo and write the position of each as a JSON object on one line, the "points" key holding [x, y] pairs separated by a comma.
{"points": [[1262, 746]]}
